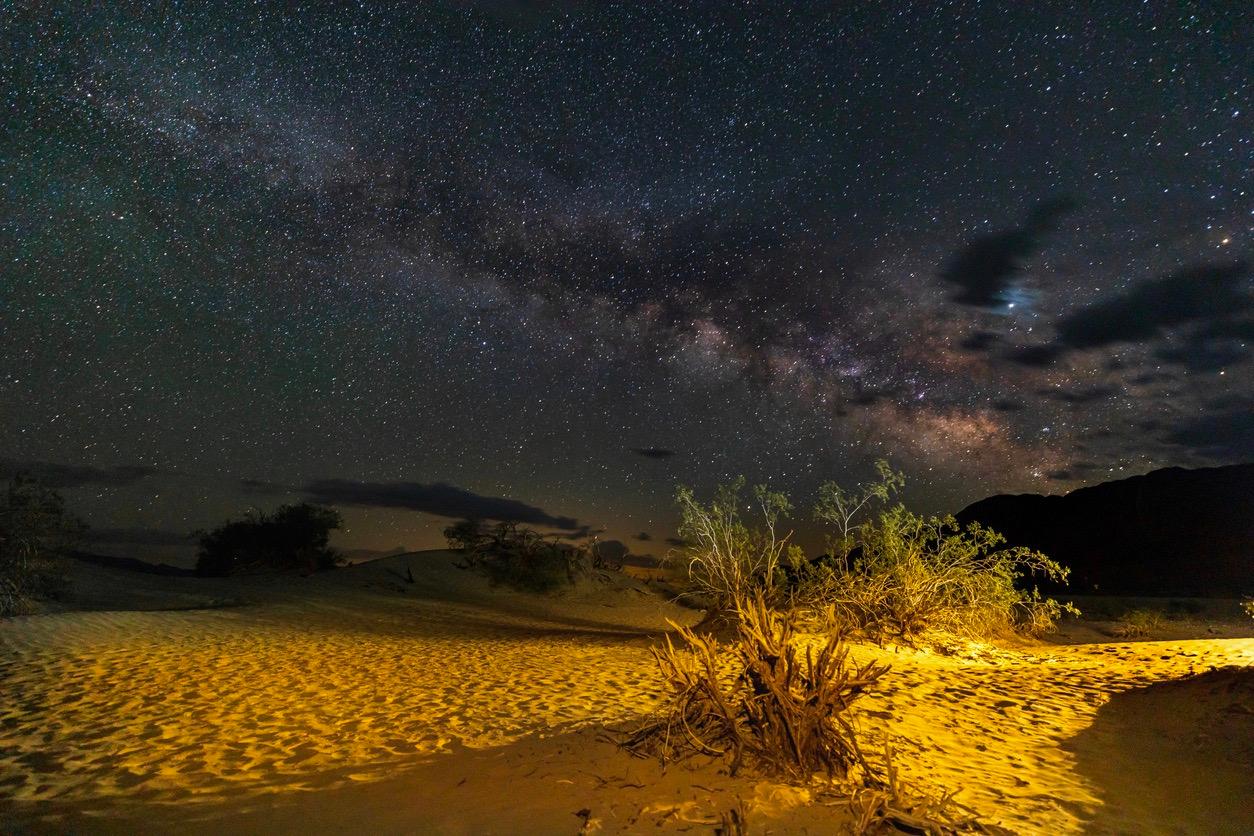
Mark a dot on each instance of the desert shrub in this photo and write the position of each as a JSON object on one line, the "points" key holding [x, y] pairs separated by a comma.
{"points": [[35, 532], [295, 537], [908, 574], [764, 701], [1137, 623], [1248, 606], [521, 558], [726, 559], [466, 534]]}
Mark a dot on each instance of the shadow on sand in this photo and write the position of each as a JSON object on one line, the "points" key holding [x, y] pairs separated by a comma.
{"points": [[1174, 757]]}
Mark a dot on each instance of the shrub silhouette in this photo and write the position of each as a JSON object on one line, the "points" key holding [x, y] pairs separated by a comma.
{"points": [[522, 558], [294, 537], [467, 534], [35, 532]]}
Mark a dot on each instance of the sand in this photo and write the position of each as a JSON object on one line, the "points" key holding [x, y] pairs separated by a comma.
{"points": [[357, 702]]}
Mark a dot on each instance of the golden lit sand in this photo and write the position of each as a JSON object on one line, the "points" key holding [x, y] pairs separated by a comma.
{"points": [[354, 702]]}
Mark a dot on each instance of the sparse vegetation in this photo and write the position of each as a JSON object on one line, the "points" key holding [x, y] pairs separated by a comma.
{"points": [[911, 574], [726, 559], [898, 574], [766, 702], [521, 558], [891, 806], [35, 532], [847, 511], [295, 537], [1138, 623], [893, 574]]}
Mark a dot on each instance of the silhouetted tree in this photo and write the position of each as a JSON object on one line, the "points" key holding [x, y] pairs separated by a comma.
{"points": [[293, 537], [35, 531], [466, 534]]}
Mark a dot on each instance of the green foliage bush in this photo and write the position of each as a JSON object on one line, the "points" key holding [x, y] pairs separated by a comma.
{"points": [[295, 537], [910, 574], [888, 571], [35, 532], [727, 560]]}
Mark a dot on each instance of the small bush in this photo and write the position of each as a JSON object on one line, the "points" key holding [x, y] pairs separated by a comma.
{"points": [[726, 559], [1248, 606], [520, 558], [295, 537], [1137, 623], [35, 533]]}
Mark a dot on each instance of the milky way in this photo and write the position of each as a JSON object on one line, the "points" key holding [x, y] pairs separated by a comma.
{"points": [[546, 261]]}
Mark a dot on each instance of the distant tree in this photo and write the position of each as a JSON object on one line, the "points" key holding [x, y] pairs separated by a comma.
{"points": [[521, 558], [295, 537], [35, 532], [467, 534]]}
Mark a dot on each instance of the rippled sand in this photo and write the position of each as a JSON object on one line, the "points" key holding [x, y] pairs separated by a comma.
{"points": [[445, 706]]}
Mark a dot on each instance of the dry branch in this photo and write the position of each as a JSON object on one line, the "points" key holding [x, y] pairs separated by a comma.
{"points": [[785, 710]]}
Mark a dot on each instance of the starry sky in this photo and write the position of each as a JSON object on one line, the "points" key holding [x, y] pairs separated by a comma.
{"points": [[544, 261]]}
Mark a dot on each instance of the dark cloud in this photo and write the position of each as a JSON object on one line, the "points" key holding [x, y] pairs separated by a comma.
{"points": [[1037, 356], [75, 476], [983, 269], [979, 341], [1200, 293], [612, 549], [677, 542], [1225, 436], [1204, 355], [644, 537], [1214, 295], [1005, 405], [262, 486], [1081, 396], [438, 498], [1146, 378], [653, 452]]}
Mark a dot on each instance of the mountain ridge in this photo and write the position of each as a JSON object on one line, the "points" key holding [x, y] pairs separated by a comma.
{"points": [[1172, 531]]}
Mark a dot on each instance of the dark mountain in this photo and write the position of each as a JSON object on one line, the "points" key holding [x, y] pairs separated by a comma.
{"points": [[1169, 532]]}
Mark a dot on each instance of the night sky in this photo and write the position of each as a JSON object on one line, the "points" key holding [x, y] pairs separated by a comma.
{"points": [[544, 261]]}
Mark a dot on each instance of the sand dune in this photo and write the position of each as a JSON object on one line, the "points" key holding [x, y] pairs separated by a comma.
{"points": [[446, 706]]}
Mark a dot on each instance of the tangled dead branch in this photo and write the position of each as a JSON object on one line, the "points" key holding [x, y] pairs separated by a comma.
{"points": [[785, 709]]}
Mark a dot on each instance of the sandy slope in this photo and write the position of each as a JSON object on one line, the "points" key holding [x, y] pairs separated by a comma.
{"points": [[357, 702]]}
